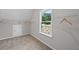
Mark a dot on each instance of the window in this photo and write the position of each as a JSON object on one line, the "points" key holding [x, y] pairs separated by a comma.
{"points": [[46, 22]]}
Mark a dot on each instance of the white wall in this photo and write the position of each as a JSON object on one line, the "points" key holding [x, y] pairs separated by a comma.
{"points": [[14, 22], [16, 14], [13, 28], [65, 36]]}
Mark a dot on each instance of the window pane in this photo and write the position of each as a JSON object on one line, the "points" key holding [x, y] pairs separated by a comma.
{"points": [[46, 16], [46, 29], [46, 26]]}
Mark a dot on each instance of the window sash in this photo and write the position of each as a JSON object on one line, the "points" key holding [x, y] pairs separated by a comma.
{"points": [[48, 22]]}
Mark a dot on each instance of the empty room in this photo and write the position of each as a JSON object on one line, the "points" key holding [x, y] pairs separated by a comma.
{"points": [[39, 29]]}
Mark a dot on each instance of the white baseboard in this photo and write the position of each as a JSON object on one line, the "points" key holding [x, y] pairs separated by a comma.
{"points": [[43, 42], [13, 36]]}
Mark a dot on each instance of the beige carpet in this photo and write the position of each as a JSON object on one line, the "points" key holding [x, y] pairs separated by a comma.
{"points": [[22, 43]]}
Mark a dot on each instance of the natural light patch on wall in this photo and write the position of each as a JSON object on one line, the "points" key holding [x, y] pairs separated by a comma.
{"points": [[17, 30]]}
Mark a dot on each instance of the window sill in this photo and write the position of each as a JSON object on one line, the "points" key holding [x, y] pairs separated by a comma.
{"points": [[50, 36]]}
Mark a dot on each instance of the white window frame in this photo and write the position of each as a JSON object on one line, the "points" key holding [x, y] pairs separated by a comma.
{"points": [[41, 24]]}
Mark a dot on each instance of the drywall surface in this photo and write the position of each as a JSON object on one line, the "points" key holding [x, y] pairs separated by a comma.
{"points": [[11, 28], [16, 14], [14, 22], [65, 36]]}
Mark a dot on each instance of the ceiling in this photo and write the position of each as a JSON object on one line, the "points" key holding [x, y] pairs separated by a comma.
{"points": [[16, 14]]}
